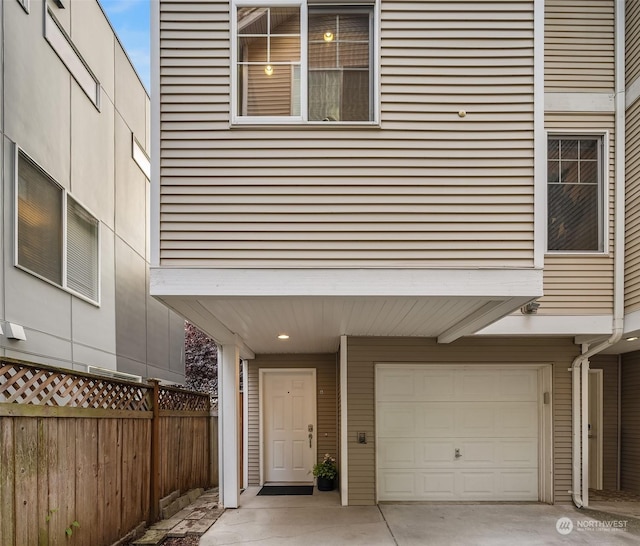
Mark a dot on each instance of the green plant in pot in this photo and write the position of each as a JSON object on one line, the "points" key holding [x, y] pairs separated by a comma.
{"points": [[326, 472]]}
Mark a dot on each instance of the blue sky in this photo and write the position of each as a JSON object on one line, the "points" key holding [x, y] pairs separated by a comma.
{"points": [[131, 21]]}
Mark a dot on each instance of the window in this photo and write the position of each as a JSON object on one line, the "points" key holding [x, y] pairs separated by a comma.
{"points": [[299, 63], [69, 55], [575, 194], [57, 239]]}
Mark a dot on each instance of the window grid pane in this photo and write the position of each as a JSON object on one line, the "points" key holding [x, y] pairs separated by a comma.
{"points": [[575, 209], [339, 84], [269, 54]]}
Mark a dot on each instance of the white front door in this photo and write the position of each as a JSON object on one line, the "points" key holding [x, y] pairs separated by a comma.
{"points": [[289, 424]]}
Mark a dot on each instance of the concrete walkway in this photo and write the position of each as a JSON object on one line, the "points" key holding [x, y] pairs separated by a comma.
{"points": [[320, 520]]}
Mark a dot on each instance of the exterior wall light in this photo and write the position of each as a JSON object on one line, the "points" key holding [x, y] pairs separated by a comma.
{"points": [[530, 309]]}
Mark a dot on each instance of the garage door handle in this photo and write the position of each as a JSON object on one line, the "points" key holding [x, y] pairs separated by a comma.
{"points": [[458, 454]]}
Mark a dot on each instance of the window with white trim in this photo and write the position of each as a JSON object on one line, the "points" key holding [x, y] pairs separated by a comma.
{"points": [[57, 239], [302, 63], [575, 193]]}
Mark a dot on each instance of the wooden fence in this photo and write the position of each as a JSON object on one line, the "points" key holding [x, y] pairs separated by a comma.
{"points": [[80, 449]]}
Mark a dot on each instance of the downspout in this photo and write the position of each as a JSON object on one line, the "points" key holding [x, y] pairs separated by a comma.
{"points": [[580, 365]]}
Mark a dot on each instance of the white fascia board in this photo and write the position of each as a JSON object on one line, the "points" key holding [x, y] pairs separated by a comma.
{"points": [[482, 283], [632, 322], [549, 325], [579, 102]]}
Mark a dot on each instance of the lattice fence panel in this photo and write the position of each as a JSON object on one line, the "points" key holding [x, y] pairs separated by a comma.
{"points": [[181, 400], [23, 384]]}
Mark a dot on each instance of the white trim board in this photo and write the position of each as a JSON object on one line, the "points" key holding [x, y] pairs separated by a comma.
{"points": [[485, 283], [569, 325], [579, 102]]}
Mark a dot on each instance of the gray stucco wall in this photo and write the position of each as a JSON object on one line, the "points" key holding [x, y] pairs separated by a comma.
{"points": [[88, 151]]}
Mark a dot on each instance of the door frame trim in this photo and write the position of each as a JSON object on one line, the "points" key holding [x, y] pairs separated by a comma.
{"points": [[545, 415], [261, 395]]}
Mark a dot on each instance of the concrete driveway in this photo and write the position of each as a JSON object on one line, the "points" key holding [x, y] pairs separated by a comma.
{"points": [[320, 520]]}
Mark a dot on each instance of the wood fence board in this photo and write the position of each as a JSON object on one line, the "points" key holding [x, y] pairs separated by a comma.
{"points": [[120, 447], [43, 482], [26, 480], [66, 477], [86, 485], [53, 517], [107, 476], [7, 482], [128, 439]]}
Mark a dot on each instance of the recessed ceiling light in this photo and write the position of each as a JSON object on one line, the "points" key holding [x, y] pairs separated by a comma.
{"points": [[283, 336], [632, 338]]}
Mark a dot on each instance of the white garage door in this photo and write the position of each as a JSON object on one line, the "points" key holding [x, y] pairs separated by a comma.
{"points": [[456, 433]]}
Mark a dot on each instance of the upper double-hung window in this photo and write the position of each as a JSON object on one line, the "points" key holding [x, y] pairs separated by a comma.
{"points": [[299, 63]]}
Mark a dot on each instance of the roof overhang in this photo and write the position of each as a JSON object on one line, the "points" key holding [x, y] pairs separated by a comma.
{"points": [[251, 307]]}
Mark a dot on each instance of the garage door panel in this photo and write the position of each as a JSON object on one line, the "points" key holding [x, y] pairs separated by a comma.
{"points": [[521, 385], [490, 415], [476, 420], [398, 485], [437, 485], [397, 421], [397, 385], [477, 453], [519, 485], [477, 484], [397, 453], [522, 452], [476, 385], [518, 419], [437, 385]]}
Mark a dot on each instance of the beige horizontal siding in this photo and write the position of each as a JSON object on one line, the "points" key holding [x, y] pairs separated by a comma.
{"points": [[632, 212], [363, 353], [582, 284], [326, 412], [632, 41], [426, 188], [630, 408], [609, 366], [579, 42]]}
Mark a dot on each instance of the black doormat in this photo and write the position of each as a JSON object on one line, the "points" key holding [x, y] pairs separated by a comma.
{"points": [[286, 490]]}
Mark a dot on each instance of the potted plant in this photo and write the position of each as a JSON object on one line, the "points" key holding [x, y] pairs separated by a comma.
{"points": [[326, 472]]}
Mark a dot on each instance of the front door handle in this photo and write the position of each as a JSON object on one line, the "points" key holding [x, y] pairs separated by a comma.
{"points": [[310, 439]]}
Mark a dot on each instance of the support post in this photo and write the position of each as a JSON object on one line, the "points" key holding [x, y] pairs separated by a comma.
{"points": [[229, 408]]}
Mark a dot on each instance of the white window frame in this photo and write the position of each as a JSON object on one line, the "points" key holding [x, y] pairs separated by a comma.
{"points": [[302, 119], [604, 168], [19, 151]]}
